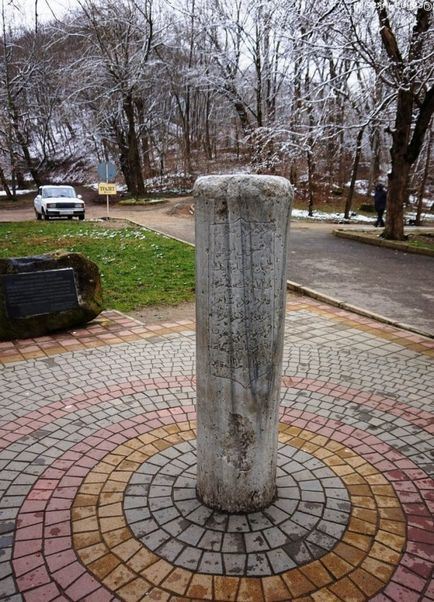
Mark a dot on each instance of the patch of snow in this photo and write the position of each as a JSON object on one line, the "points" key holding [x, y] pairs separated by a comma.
{"points": [[334, 217], [425, 217], [361, 186], [413, 200], [19, 192]]}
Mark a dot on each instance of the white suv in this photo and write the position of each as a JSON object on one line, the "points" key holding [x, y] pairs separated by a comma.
{"points": [[58, 201]]}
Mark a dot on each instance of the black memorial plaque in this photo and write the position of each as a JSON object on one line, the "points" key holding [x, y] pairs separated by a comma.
{"points": [[38, 293]]}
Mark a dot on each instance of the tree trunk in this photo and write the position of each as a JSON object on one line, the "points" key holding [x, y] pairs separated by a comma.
{"points": [[148, 172], [134, 163], [423, 180], [374, 174], [357, 155], [27, 157], [123, 153], [399, 174], [187, 133], [9, 195], [405, 151], [310, 176], [207, 139]]}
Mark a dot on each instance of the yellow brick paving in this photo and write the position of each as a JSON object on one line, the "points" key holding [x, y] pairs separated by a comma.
{"points": [[356, 569]]}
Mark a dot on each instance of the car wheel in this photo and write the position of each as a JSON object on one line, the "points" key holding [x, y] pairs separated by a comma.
{"points": [[46, 216], [69, 216], [38, 215], [81, 217]]}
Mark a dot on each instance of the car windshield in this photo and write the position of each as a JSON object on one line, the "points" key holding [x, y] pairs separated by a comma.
{"points": [[50, 193]]}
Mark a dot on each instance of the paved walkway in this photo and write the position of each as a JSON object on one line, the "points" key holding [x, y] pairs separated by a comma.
{"points": [[97, 440]]}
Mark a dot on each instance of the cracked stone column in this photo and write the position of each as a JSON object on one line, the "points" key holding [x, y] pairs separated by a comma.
{"points": [[241, 247]]}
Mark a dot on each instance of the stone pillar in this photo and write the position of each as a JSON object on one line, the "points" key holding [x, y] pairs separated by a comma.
{"points": [[241, 246]]}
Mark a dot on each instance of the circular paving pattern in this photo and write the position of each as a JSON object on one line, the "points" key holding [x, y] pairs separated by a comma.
{"points": [[307, 519], [84, 525], [126, 561]]}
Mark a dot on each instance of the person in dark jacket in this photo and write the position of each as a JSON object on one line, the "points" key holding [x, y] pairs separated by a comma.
{"points": [[380, 198]]}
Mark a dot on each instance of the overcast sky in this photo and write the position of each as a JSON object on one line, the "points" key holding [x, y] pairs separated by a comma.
{"points": [[23, 11]]}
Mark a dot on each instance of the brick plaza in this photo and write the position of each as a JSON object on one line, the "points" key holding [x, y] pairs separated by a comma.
{"points": [[97, 453]]}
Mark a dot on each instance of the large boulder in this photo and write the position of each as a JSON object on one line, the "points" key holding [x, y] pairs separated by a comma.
{"points": [[45, 293]]}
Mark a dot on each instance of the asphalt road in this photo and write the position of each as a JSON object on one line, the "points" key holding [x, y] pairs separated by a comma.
{"points": [[394, 284], [397, 285]]}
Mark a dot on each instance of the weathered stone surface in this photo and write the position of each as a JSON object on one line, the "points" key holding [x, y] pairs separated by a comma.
{"points": [[37, 322], [241, 232]]}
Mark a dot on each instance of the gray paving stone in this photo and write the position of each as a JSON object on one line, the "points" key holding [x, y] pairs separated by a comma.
{"points": [[313, 485], [280, 561], [305, 520], [134, 515], [340, 494], [5, 569], [217, 521], [258, 520], [234, 564], [200, 516], [184, 493], [184, 481], [6, 540], [192, 535], [159, 491], [159, 460], [233, 543], [331, 483], [333, 529], [7, 587], [275, 515], [170, 550], [144, 527], [275, 537], [187, 506], [255, 542], [238, 524], [6, 526], [257, 565], [313, 496], [177, 526], [190, 558], [321, 540], [293, 530], [211, 562], [133, 502], [298, 552], [292, 493], [165, 515], [315, 508], [336, 516], [158, 503], [341, 505], [139, 489], [286, 505], [211, 541]]}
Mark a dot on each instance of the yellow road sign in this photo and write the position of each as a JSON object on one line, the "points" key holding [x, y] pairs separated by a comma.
{"points": [[104, 188]]}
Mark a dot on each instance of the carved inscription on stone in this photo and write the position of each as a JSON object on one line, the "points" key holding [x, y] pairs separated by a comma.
{"points": [[242, 293]]}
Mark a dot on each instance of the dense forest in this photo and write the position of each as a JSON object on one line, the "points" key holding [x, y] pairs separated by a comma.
{"points": [[324, 93]]}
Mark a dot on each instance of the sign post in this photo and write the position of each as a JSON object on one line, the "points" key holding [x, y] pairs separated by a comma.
{"points": [[107, 172]]}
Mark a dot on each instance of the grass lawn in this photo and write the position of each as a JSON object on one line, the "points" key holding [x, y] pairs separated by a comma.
{"points": [[421, 241], [138, 267]]}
